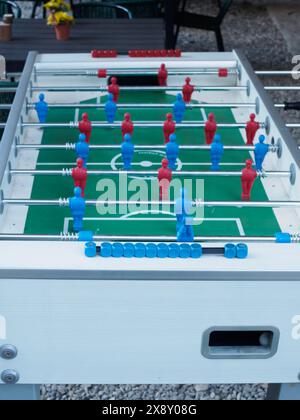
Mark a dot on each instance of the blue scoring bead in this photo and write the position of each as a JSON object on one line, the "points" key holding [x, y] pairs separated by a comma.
{"points": [[151, 251], [140, 250], [185, 251], [174, 251], [129, 250], [106, 250], [230, 251], [196, 251], [90, 249], [241, 251], [162, 250], [117, 250]]}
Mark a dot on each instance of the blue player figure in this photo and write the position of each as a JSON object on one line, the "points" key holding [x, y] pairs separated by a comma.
{"points": [[172, 152], [216, 153], [183, 207], [41, 108], [127, 152], [179, 109], [77, 207], [82, 149], [185, 232], [260, 152], [111, 109]]}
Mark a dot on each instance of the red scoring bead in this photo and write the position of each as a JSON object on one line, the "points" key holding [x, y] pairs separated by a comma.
{"points": [[102, 73], [223, 72]]}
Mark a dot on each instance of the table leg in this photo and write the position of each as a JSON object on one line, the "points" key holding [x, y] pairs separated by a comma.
{"points": [[19, 392], [170, 12], [284, 392]]}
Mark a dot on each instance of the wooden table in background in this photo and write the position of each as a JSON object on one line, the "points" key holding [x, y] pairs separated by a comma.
{"points": [[86, 35]]}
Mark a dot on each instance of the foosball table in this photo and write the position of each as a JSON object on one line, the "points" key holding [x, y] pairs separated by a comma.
{"points": [[140, 248]]}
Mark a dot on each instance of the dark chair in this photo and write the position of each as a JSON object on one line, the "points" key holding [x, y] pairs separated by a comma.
{"points": [[142, 8], [10, 7], [97, 10], [209, 23]]}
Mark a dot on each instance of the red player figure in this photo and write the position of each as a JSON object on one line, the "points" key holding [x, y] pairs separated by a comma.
{"points": [[210, 128], [127, 125], [114, 89], [79, 175], [162, 75], [248, 177], [187, 91], [169, 127], [85, 127], [251, 129], [164, 178]]}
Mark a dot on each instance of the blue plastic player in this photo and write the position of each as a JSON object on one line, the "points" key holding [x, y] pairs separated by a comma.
{"points": [[260, 152], [179, 109], [127, 152], [111, 109], [41, 108], [172, 152], [82, 149], [185, 232], [77, 207], [216, 153], [183, 207]]}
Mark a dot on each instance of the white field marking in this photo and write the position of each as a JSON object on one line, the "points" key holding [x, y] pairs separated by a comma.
{"points": [[204, 115], [128, 217], [76, 117]]}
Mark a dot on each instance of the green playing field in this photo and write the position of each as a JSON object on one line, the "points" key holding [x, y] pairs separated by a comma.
{"points": [[217, 221]]}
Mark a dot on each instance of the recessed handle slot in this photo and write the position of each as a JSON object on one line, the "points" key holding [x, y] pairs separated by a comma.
{"points": [[240, 343]]}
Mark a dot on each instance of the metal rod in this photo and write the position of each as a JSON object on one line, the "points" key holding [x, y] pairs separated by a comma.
{"points": [[68, 172], [293, 125], [143, 88], [150, 106], [72, 237], [71, 146], [132, 88], [5, 106], [138, 124], [64, 202], [275, 88], [133, 72], [277, 73], [144, 106], [8, 89]]}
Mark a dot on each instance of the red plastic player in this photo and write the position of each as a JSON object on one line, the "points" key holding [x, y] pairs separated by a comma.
{"points": [[187, 90], [251, 129], [163, 75], [164, 178], [248, 177], [210, 128], [79, 175], [85, 126], [127, 125], [169, 127], [114, 89]]}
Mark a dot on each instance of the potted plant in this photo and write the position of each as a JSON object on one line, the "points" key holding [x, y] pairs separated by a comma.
{"points": [[60, 17]]}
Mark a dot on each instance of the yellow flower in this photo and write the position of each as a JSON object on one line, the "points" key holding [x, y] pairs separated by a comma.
{"points": [[59, 18], [57, 5]]}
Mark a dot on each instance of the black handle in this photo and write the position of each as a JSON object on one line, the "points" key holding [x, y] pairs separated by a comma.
{"points": [[292, 106]]}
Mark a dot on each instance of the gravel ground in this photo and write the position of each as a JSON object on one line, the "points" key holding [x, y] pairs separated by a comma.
{"points": [[249, 27]]}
